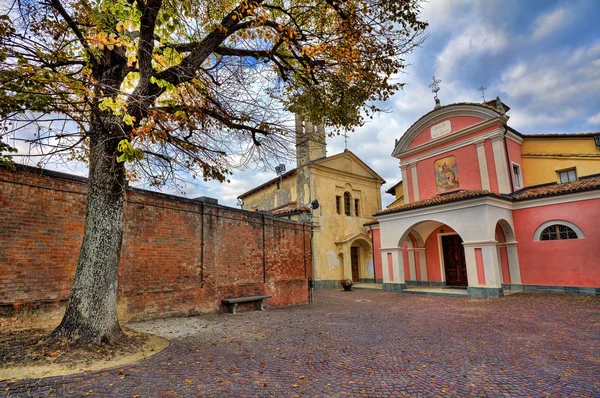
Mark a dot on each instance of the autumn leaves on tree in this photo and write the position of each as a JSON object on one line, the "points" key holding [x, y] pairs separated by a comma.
{"points": [[184, 86]]}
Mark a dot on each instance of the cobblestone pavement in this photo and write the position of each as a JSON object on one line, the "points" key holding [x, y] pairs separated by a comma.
{"points": [[365, 343]]}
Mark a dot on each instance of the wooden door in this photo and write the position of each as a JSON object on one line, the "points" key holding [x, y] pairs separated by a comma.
{"points": [[354, 262], [454, 260]]}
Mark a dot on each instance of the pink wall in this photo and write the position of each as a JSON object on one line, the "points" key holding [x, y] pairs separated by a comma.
{"points": [[405, 261], [503, 255], [573, 262], [432, 254], [457, 123], [468, 171], [514, 154], [376, 236]]}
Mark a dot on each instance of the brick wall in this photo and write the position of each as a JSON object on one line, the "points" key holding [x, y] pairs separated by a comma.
{"points": [[179, 256]]}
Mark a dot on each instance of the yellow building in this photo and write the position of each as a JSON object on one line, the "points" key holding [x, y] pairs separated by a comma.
{"points": [[398, 192], [550, 157], [348, 193]]}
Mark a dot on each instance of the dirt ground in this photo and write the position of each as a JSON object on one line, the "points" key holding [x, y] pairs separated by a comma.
{"points": [[26, 355]]}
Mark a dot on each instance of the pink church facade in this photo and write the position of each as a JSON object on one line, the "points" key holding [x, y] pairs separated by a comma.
{"points": [[471, 221]]}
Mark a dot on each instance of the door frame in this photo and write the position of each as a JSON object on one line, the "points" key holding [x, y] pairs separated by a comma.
{"points": [[441, 253]]}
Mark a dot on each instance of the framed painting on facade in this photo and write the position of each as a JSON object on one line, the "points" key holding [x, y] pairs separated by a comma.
{"points": [[446, 174]]}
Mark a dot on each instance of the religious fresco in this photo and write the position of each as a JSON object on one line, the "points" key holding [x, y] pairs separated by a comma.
{"points": [[446, 174]]}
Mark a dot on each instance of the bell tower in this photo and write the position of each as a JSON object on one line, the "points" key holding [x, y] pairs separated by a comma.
{"points": [[310, 141]]}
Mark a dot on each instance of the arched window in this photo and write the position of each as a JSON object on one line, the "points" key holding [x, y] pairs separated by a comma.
{"points": [[558, 230], [346, 203]]}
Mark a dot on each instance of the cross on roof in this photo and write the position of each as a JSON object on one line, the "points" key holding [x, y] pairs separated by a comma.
{"points": [[482, 89], [434, 86], [345, 135]]}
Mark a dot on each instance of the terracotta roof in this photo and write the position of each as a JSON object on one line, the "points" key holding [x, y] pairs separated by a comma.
{"points": [[290, 210], [441, 199], [373, 222], [586, 183]]}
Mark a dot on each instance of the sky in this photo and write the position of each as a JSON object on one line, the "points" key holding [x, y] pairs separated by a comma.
{"points": [[541, 57]]}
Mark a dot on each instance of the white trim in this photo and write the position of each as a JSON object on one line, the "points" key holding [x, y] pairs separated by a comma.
{"points": [[446, 113], [480, 243], [502, 176], [415, 181], [538, 231], [558, 199], [512, 172], [390, 249], [490, 134], [463, 204], [441, 253], [483, 169]]}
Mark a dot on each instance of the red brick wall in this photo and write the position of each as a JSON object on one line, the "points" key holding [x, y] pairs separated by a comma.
{"points": [[179, 256]]}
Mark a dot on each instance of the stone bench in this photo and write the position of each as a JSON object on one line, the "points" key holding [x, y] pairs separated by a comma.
{"points": [[232, 303]]}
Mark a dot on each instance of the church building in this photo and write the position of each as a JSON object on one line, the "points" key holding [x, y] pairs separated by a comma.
{"points": [[337, 194], [485, 208]]}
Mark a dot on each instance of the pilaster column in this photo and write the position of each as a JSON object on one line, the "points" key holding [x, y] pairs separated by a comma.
{"points": [[347, 263], [483, 169], [394, 282], [405, 184], [420, 251], [415, 181], [513, 263], [500, 163], [412, 271], [483, 269]]}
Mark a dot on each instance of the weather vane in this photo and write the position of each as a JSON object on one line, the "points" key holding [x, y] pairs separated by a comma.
{"points": [[482, 89]]}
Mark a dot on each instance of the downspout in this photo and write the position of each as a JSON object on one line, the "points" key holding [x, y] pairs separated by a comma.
{"points": [[508, 164], [373, 253]]}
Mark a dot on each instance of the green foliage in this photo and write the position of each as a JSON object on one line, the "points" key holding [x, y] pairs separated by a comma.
{"points": [[6, 160], [128, 152]]}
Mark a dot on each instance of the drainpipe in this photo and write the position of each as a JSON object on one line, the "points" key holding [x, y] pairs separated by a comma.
{"points": [[373, 253], [510, 174]]}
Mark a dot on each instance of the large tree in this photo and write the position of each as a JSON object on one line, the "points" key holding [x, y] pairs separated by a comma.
{"points": [[146, 89]]}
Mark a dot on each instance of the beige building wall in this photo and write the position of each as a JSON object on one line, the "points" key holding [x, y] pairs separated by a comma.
{"points": [[335, 233], [271, 196]]}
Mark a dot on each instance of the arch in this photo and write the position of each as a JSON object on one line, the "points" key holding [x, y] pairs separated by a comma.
{"points": [[507, 230], [538, 232]]}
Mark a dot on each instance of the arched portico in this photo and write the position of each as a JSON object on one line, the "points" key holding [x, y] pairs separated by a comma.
{"points": [[357, 256], [446, 234]]}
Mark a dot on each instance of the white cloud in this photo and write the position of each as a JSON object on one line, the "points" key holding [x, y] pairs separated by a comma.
{"points": [[477, 39], [547, 24], [595, 120]]}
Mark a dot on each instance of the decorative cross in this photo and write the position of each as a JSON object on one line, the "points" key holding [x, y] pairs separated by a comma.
{"points": [[434, 86], [345, 135], [482, 89]]}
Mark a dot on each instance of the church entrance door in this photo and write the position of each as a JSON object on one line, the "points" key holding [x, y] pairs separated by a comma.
{"points": [[454, 260], [354, 262]]}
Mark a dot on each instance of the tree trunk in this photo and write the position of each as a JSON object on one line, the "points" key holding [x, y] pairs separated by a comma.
{"points": [[91, 315]]}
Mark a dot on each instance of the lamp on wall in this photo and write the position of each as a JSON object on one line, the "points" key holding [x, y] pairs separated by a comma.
{"points": [[442, 229]]}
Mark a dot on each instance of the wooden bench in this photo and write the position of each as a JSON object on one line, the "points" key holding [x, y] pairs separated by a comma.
{"points": [[232, 303]]}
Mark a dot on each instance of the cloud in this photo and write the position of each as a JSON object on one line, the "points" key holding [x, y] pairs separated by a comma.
{"points": [[547, 24], [475, 40], [594, 120], [554, 88]]}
